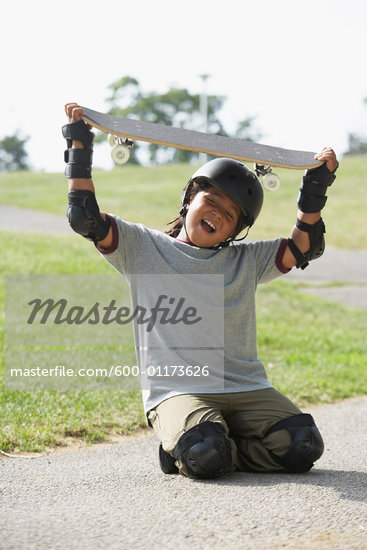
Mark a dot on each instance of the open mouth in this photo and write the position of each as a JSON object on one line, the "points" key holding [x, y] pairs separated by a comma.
{"points": [[208, 226]]}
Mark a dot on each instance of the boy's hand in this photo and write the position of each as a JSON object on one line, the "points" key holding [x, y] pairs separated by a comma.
{"points": [[329, 157], [74, 112]]}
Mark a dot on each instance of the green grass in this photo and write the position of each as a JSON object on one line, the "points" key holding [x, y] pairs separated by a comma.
{"points": [[314, 350], [34, 420], [344, 214], [138, 194], [152, 196]]}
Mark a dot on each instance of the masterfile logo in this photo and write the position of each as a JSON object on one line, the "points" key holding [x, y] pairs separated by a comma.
{"points": [[122, 331], [165, 310]]}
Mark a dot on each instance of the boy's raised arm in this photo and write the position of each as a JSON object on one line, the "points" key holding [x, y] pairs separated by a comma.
{"points": [[83, 212], [307, 242]]}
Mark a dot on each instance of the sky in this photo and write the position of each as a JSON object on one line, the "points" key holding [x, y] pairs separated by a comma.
{"points": [[298, 66]]}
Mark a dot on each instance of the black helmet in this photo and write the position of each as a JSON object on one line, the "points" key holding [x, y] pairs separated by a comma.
{"points": [[236, 181]]}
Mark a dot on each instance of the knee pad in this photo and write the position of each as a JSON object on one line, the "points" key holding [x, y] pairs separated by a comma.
{"points": [[306, 446], [205, 451]]}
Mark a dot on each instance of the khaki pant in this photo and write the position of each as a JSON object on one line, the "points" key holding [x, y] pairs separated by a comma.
{"points": [[245, 418]]}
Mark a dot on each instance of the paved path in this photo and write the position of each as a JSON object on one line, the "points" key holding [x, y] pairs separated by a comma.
{"points": [[115, 497], [24, 219], [335, 265], [339, 266]]}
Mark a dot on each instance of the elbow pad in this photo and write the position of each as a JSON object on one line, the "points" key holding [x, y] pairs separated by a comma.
{"points": [[84, 216], [317, 242]]}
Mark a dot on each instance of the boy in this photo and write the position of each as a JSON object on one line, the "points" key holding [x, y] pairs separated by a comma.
{"points": [[246, 425]]}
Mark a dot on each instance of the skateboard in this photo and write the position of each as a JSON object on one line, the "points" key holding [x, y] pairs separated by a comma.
{"points": [[124, 131]]}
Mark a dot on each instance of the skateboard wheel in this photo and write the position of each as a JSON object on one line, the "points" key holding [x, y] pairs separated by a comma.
{"points": [[271, 182], [120, 154], [111, 139]]}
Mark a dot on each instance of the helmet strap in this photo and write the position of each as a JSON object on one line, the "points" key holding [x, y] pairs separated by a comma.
{"points": [[226, 243]]}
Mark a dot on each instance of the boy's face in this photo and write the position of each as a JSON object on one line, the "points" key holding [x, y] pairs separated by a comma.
{"points": [[212, 217]]}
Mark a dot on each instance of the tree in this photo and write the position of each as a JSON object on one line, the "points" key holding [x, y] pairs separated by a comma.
{"points": [[13, 155], [246, 131], [357, 145], [177, 107]]}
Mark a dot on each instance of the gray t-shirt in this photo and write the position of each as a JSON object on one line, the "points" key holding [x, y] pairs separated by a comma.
{"points": [[219, 286]]}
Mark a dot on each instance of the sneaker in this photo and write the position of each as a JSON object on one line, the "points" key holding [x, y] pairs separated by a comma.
{"points": [[167, 462]]}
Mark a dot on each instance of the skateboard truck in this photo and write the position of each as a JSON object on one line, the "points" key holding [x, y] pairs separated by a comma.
{"points": [[121, 148], [270, 181]]}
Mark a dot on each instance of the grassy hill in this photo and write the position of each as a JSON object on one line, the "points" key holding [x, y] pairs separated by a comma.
{"points": [[152, 195]]}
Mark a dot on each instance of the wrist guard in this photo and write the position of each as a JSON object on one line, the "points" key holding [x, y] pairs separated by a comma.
{"points": [[313, 188], [79, 161], [84, 216], [317, 243]]}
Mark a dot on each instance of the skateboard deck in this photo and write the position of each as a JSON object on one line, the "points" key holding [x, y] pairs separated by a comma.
{"points": [[200, 142]]}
